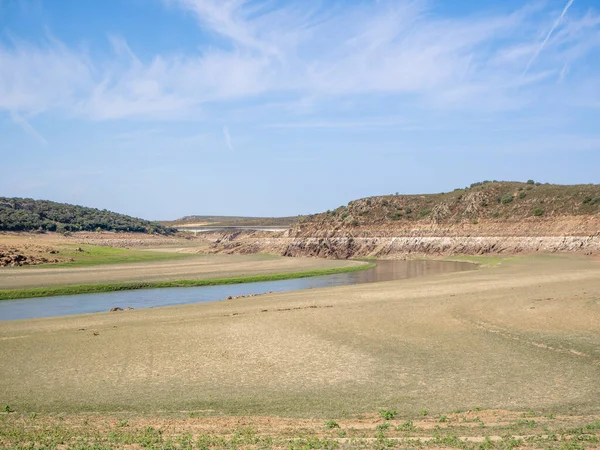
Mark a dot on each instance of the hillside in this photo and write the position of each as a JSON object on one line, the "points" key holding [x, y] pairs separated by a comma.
{"points": [[488, 203], [189, 221], [25, 214], [485, 218]]}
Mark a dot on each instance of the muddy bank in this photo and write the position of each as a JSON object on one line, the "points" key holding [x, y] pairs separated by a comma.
{"points": [[402, 246]]}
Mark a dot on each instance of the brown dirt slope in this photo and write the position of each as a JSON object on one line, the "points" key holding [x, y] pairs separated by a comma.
{"points": [[488, 209], [489, 217]]}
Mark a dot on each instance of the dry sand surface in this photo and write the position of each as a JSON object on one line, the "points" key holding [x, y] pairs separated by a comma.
{"points": [[194, 267], [521, 335]]}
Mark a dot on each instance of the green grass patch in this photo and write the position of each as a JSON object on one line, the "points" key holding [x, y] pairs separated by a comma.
{"points": [[91, 255], [53, 291]]}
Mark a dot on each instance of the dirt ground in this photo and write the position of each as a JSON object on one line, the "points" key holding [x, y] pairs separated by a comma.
{"points": [[194, 267], [475, 429], [518, 336]]}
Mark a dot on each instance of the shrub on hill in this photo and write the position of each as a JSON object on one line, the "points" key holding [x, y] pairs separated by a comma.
{"points": [[25, 214]]}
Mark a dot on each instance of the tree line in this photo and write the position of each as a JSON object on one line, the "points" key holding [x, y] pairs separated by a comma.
{"points": [[26, 214]]}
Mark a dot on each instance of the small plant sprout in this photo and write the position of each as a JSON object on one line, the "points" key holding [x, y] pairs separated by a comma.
{"points": [[388, 414], [331, 424], [443, 419], [383, 426], [7, 409], [423, 412]]}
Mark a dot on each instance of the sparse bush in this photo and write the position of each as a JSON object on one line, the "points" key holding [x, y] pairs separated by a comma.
{"points": [[407, 210], [406, 426], [443, 419], [522, 195], [538, 212], [506, 199], [483, 203], [480, 183], [397, 216], [344, 215], [587, 200], [424, 213], [388, 414], [385, 203], [331, 424], [383, 426], [424, 412], [7, 409], [530, 182]]}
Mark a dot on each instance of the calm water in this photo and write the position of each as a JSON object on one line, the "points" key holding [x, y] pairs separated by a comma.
{"points": [[147, 298]]}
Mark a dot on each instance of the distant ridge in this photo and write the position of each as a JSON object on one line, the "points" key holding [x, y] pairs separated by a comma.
{"points": [[26, 214], [196, 220]]}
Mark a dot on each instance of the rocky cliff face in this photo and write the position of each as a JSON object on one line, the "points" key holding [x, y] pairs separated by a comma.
{"points": [[488, 218]]}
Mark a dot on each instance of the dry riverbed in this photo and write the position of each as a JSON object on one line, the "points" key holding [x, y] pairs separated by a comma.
{"points": [[510, 351]]}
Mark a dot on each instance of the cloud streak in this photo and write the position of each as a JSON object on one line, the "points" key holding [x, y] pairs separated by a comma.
{"points": [[26, 126], [398, 53], [545, 41]]}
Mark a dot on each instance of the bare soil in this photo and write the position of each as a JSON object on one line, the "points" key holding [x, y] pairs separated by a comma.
{"points": [[517, 336]]}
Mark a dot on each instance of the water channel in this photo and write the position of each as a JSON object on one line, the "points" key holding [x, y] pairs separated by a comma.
{"points": [[148, 298]]}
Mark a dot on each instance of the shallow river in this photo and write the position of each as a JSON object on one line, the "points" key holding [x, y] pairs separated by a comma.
{"points": [[148, 298]]}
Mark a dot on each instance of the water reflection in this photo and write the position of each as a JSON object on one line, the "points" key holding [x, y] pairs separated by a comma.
{"points": [[89, 303]]}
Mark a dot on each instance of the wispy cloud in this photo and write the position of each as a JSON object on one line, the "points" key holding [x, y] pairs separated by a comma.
{"points": [[545, 41], [227, 137], [26, 126], [398, 53]]}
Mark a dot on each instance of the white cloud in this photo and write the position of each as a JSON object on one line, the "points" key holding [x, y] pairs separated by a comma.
{"points": [[305, 55], [545, 41], [26, 126]]}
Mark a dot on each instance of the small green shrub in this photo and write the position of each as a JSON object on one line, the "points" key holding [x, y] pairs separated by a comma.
{"points": [[443, 419], [388, 414], [343, 216], [32, 415], [406, 426], [424, 213], [522, 195], [530, 182], [385, 203], [397, 216], [538, 212], [7, 409], [122, 424], [331, 424], [587, 200], [423, 412], [383, 426], [506, 199]]}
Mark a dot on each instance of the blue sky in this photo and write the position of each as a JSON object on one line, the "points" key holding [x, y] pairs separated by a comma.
{"points": [[164, 108]]}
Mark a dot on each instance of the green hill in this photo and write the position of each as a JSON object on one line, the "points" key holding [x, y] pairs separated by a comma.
{"points": [[26, 214], [487, 200]]}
